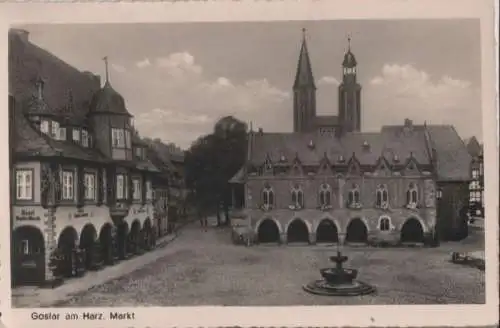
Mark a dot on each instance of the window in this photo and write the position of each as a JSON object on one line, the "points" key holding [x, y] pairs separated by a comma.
{"points": [[475, 173], [268, 196], [149, 190], [85, 138], [297, 197], [118, 138], [121, 187], [325, 195], [382, 196], [68, 185], [136, 184], [128, 139], [62, 134], [475, 196], [24, 184], [55, 130], [481, 169], [412, 195], [44, 126], [90, 186], [76, 135], [353, 196], [384, 224]]}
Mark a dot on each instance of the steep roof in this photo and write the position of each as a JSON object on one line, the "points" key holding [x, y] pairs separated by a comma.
{"points": [[28, 62], [311, 148], [453, 159], [28, 141], [304, 75], [107, 100], [474, 147]]}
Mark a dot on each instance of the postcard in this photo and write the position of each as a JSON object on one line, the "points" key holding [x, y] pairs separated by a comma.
{"points": [[211, 164]]}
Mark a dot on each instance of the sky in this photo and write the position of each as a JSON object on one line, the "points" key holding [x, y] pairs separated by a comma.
{"points": [[178, 79]]}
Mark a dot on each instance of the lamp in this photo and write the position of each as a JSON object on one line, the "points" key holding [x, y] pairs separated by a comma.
{"points": [[439, 193]]}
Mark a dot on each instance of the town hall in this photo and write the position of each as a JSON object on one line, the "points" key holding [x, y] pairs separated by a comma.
{"points": [[330, 181]]}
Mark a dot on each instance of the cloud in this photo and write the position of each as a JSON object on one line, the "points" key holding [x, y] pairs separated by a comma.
{"points": [[325, 80], [119, 68], [143, 63], [404, 91], [184, 102]]}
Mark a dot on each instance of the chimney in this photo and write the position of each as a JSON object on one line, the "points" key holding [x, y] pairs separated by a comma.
{"points": [[261, 131], [408, 123], [366, 146], [22, 34]]}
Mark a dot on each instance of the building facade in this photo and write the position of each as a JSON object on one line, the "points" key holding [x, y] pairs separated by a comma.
{"points": [[476, 186], [330, 182], [82, 194]]}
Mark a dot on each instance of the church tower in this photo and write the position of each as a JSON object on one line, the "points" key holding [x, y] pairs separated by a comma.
{"points": [[304, 92], [349, 94]]}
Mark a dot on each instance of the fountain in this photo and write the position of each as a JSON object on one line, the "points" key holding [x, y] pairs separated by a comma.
{"points": [[339, 281]]}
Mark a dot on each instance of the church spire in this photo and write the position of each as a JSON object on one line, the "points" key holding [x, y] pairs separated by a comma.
{"points": [[304, 76]]}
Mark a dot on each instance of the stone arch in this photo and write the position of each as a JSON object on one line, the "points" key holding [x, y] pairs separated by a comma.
{"points": [[356, 231], [135, 242], [106, 243], [88, 237], [327, 231], [298, 230], [28, 247], [67, 243], [412, 231], [121, 239], [268, 230]]}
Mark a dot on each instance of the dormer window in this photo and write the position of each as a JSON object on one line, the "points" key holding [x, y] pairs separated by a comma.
{"points": [[341, 159], [44, 126], [62, 134], [118, 138], [138, 153], [54, 133], [85, 138], [76, 135]]}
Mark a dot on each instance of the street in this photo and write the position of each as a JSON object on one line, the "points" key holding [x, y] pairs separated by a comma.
{"points": [[205, 268]]}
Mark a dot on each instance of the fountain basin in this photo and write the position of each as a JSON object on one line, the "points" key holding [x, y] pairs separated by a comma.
{"points": [[339, 276], [323, 288]]}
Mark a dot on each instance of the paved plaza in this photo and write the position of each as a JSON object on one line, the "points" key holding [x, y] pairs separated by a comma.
{"points": [[205, 268]]}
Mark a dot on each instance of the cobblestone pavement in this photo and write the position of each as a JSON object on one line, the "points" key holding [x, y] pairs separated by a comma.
{"points": [[204, 268]]}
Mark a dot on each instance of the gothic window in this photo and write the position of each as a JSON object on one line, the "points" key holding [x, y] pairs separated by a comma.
{"points": [[24, 184], [384, 224], [268, 196], [412, 195], [325, 195], [297, 197], [382, 196], [353, 197]]}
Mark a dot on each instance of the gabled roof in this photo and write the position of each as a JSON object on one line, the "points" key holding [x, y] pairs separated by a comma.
{"points": [[452, 158], [474, 147], [304, 76], [368, 147]]}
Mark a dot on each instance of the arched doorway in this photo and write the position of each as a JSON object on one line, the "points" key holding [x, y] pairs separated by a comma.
{"points": [[87, 244], [297, 232], [67, 247], [106, 244], [356, 232], [268, 232], [121, 240], [326, 232], [28, 256], [148, 235], [134, 238], [412, 231]]}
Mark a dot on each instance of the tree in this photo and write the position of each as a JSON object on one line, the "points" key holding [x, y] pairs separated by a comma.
{"points": [[211, 161]]}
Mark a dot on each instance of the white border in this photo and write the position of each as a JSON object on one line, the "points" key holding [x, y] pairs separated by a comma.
{"points": [[401, 315]]}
